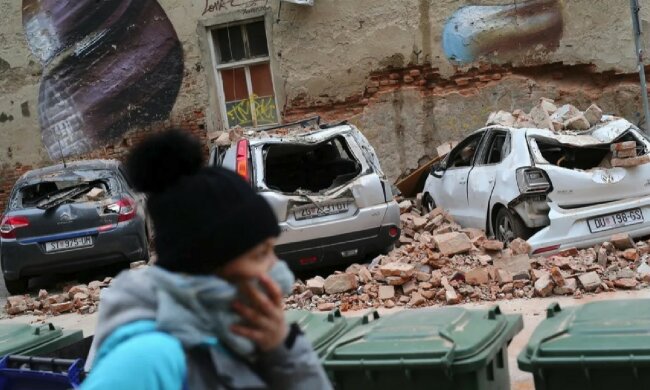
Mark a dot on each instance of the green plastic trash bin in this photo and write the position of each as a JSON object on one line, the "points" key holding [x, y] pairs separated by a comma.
{"points": [[449, 348], [22, 339], [598, 345], [321, 328]]}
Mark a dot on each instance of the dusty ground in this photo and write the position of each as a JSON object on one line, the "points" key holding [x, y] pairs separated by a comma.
{"points": [[532, 310]]}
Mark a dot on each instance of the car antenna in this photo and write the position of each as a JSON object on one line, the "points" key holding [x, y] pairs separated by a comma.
{"points": [[61, 150]]}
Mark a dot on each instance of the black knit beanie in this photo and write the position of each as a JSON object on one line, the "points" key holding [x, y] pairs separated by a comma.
{"points": [[202, 217]]}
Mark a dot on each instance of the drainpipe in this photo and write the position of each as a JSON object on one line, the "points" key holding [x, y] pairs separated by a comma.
{"points": [[636, 24]]}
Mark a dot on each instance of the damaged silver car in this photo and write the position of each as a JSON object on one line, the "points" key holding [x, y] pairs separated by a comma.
{"points": [[555, 189], [325, 184]]}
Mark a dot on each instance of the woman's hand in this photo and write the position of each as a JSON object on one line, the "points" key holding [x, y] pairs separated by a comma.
{"points": [[264, 318]]}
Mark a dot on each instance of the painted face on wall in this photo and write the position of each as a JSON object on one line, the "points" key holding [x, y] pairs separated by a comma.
{"points": [[503, 32], [108, 65]]}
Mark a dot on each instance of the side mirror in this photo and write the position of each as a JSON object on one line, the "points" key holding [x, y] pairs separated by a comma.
{"points": [[438, 169]]}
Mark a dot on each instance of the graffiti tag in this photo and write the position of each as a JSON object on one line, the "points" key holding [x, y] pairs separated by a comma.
{"points": [[219, 5], [240, 113]]}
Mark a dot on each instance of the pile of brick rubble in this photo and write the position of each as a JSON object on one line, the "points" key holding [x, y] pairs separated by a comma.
{"points": [[82, 299], [438, 262]]}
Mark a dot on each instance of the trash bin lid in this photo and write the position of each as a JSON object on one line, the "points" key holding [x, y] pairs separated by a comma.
{"points": [[16, 338], [318, 327], [595, 331], [429, 337]]}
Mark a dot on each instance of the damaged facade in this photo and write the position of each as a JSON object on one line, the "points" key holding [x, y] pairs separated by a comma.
{"points": [[411, 75]]}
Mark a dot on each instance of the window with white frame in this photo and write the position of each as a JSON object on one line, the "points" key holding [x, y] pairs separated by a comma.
{"points": [[243, 74]]}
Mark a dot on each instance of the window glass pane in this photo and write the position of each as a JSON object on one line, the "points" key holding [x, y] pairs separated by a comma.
{"points": [[266, 111], [257, 39], [234, 84], [261, 79], [230, 43]]}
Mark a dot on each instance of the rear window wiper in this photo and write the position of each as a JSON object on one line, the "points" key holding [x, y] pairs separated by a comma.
{"points": [[63, 197]]}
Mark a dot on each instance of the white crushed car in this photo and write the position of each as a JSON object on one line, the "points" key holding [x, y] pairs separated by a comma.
{"points": [[324, 182], [555, 189]]}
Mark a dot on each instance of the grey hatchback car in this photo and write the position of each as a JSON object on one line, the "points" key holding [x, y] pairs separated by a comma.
{"points": [[324, 182], [65, 218]]}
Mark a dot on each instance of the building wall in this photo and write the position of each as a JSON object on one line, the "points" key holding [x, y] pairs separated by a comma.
{"points": [[89, 79]]}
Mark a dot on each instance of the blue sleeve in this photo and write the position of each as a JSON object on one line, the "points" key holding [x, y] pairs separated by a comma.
{"points": [[153, 361]]}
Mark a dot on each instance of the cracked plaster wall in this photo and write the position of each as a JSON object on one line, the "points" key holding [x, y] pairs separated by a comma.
{"points": [[323, 55]]}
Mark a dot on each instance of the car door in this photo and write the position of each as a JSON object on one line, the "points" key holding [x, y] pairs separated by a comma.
{"points": [[482, 177], [451, 193]]}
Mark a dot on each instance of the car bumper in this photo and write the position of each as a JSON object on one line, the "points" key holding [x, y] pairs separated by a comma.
{"points": [[343, 248], [22, 258], [569, 228]]}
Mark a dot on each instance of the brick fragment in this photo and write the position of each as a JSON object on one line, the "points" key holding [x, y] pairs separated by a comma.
{"points": [[622, 241], [590, 281], [340, 283], [631, 162], [492, 245], [477, 276], [453, 243], [402, 270], [386, 292]]}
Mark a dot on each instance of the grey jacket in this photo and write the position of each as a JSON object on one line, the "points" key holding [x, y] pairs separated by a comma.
{"points": [[196, 310]]}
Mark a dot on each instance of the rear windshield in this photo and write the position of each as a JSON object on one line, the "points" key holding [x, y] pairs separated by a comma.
{"points": [[309, 167], [66, 187]]}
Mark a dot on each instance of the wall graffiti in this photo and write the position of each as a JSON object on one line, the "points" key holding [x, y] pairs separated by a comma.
{"points": [[244, 5], [502, 32], [108, 66], [264, 112]]}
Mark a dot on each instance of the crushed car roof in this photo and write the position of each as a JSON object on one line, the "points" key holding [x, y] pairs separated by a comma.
{"points": [[70, 167], [606, 132]]}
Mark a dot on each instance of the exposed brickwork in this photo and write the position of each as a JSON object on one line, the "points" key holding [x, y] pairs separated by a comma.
{"points": [[193, 121], [429, 81]]}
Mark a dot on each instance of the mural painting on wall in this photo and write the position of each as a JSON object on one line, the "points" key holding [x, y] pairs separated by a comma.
{"points": [[108, 66], [502, 32]]}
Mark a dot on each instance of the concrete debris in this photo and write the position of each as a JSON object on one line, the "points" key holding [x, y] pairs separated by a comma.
{"points": [[442, 263], [546, 115]]}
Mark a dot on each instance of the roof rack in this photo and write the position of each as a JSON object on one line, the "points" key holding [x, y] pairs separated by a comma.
{"points": [[303, 123]]}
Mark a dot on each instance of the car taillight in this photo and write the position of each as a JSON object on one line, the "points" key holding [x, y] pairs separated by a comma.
{"points": [[125, 208], [242, 160], [10, 224], [393, 232], [533, 181]]}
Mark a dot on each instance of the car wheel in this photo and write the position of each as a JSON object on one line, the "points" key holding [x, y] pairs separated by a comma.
{"points": [[508, 226], [428, 203], [18, 286]]}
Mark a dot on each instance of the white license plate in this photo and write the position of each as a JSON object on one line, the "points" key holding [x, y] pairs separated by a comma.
{"points": [[613, 221], [308, 212], [71, 243]]}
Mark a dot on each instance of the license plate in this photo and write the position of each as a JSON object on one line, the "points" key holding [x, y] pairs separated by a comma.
{"points": [[312, 211], [613, 221], [71, 243]]}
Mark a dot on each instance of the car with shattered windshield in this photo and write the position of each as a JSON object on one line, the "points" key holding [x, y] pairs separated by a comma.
{"points": [[69, 217], [325, 185], [556, 189]]}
